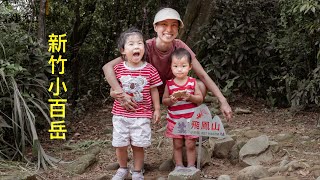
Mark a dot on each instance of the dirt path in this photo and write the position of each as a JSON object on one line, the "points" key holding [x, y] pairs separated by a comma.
{"points": [[96, 128]]}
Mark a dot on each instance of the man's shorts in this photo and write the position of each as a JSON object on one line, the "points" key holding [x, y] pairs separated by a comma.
{"points": [[134, 131]]}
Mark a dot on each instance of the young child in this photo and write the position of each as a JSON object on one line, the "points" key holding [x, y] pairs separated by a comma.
{"points": [[166, 24], [139, 79], [181, 95]]}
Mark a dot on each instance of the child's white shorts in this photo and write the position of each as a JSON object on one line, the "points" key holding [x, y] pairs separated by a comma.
{"points": [[134, 131]]}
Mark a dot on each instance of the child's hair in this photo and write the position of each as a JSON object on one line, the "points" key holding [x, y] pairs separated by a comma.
{"points": [[180, 53], [124, 36]]}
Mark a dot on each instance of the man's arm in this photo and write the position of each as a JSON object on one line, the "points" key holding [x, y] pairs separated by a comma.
{"points": [[111, 78], [204, 77], [110, 75], [116, 95]]}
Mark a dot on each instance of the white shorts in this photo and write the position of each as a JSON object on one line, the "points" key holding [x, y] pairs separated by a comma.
{"points": [[134, 131]]}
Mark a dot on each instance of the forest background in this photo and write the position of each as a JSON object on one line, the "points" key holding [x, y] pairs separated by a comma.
{"points": [[268, 49]]}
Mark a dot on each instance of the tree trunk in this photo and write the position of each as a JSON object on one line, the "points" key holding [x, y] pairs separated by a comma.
{"points": [[79, 33], [42, 24], [197, 14]]}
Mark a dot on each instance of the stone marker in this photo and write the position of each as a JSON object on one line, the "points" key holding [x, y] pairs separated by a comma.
{"points": [[185, 174]]}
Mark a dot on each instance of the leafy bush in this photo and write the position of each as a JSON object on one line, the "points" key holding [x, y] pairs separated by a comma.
{"points": [[298, 42], [23, 67], [268, 49], [235, 45]]}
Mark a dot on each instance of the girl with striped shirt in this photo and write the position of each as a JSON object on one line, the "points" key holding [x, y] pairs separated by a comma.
{"points": [[139, 79], [181, 95]]}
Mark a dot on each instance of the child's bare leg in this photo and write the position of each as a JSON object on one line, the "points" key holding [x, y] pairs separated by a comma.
{"points": [[138, 157], [191, 151], [122, 156], [177, 151]]}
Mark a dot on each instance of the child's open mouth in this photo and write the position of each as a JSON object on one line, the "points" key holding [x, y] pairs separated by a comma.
{"points": [[136, 54]]}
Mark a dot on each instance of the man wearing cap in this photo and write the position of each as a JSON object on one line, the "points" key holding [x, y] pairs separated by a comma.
{"points": [[167, 23]]}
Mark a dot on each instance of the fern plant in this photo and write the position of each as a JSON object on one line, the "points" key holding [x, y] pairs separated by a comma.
{"points": [[23, 91]]}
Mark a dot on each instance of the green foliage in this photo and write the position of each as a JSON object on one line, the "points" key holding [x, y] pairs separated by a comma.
{"points": [[235, 47], [23, 68], [109, 19], [297, 42], [24, 64], [268, 49]]}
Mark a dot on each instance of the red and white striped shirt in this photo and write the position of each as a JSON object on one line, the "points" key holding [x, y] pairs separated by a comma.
{"points": [[181, 109], [136, 82], [161, 60]]}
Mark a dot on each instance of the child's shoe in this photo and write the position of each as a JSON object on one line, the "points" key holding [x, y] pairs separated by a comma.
{"points": [[137, 176], [132, 169], [177, 168], [193, 168], [121, 174]]}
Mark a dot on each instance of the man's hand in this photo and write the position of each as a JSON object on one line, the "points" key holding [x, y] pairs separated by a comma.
{"points": [[117, 94], [226, 110], [128, 103]]}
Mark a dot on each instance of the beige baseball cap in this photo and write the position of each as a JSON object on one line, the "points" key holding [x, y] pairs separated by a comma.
{"points": [[167, 13]]}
